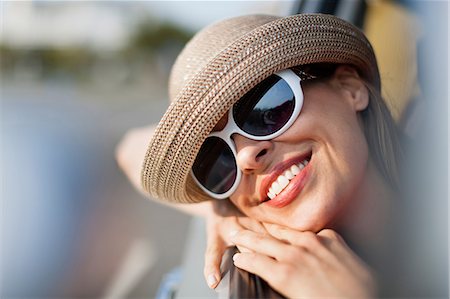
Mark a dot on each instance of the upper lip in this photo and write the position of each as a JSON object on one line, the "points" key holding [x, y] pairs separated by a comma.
{"points": [[278, 170]]}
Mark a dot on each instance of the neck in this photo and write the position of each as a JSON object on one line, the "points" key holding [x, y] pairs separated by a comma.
{"points": [[365, 222]]}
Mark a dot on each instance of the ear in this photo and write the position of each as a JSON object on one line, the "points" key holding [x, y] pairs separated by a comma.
{"points": [[350, 83]]}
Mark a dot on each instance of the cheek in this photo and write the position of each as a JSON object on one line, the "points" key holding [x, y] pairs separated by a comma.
{"points": [[333, 124], [352, 171], [345, 166], [340, 167], [248, 206], [239, 201], [345, 146], [353, 148]]}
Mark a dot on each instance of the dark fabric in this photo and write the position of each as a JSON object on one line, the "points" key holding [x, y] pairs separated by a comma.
{"points": [[247, 285]]}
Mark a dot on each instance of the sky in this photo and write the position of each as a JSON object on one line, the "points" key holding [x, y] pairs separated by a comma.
{"points": [[106, 25], [197, 14]]}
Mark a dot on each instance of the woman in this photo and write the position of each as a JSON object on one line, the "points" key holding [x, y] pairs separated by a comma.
{"points": [[277, 134]]}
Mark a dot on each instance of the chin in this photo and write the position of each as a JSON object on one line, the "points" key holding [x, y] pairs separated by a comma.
{"points": [[313, 215], [307, 224]]}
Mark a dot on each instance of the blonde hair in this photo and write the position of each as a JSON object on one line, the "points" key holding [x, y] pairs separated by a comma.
{"points": [[383, 138], [381, 131]]}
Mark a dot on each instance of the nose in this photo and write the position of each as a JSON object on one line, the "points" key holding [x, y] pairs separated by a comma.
{"points": [[252, 155]]}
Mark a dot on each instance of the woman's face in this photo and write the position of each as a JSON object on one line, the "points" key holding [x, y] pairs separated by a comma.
{"points": [[327, 137]]}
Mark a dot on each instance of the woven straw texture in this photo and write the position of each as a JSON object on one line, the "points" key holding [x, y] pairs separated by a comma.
{"points": [[223, 62]]}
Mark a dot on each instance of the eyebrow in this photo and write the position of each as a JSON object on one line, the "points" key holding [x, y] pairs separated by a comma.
{"points": [[221, 123]]}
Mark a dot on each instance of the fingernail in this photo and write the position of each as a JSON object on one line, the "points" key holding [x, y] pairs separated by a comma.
{"points": [[211, 280], [236, 256]]}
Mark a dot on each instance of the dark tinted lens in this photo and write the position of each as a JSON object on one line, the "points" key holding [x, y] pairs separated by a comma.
{"points": [[215, 166], [266, 108]]}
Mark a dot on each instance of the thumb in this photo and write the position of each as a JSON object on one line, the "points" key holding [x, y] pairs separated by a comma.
{"points": [[215, 249]]}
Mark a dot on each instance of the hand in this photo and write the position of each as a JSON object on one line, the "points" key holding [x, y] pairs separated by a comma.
{"points": [[130, 153], [224, 219], [305, 264]]}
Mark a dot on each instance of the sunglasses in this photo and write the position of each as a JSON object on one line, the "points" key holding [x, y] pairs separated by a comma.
{"points": [[264, 113]]}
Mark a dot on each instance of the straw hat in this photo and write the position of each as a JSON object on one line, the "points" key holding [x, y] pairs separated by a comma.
{"points": [[223, 62]]}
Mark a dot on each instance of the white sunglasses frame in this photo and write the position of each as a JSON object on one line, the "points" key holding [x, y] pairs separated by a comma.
{"points": [[293, 80]]}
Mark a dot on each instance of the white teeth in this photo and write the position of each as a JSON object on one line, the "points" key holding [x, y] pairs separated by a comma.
{"points": [[276, 188], [283, 180], [288, 174], [295, 170]]}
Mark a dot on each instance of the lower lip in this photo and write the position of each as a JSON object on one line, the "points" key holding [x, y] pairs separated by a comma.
{"points": [[290, 193]]}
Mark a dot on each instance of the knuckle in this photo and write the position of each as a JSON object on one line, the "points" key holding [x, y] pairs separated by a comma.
{"points": [[267, 235], [332, 234], [250, 237], [293, 253], [310, 237], [310, 240], [257, 238]]}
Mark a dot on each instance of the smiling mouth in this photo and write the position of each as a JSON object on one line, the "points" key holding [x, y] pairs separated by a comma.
{"points": [[281, 182]]}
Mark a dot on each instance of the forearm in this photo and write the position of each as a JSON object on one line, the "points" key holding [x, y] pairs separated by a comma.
{"points": [[130, 154]]}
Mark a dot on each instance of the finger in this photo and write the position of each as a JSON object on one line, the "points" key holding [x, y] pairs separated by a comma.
{"points": [[281, 232], [213, 258], [227, 228], [265, 244], [243, 249], [330, 234], [336, 244], [333, 241], [308, 240], [217, 242], [273, 272], [252, 224]]}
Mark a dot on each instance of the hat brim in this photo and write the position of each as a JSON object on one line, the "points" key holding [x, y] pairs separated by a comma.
{"points": [[274, 46]]}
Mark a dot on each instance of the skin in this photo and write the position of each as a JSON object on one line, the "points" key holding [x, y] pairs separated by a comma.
{"points": [[328, 125], [299, 242], [305, 264], [342, 193]]}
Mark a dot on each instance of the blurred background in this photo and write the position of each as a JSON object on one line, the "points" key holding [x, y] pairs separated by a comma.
{"points": [[75, 76]]}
